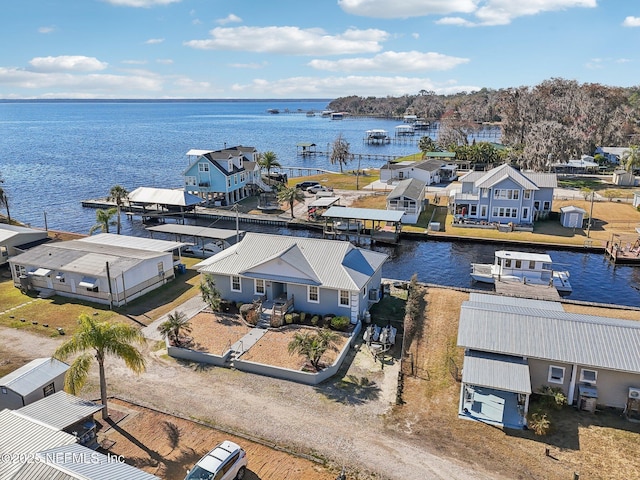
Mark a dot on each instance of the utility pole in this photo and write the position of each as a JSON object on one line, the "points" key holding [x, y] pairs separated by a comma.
{"points": [[590, 215]]}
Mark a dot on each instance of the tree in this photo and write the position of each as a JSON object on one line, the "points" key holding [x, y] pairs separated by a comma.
{"points": [[4, 200], [175, 323], [426, 144], [313, 346], [268, 160], [290, 195], [118, 194], [104, 218], [101, 339], [631, 159], [340, 152], [210, 294]]}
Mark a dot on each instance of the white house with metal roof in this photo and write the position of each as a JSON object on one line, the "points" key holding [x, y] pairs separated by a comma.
{"points": [[311, 275], [514, 346], [36, 380], [430, 170], [109, 269], [407, 197], [13, 237], [503, 195]]}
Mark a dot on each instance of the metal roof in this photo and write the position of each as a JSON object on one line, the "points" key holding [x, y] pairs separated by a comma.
{"points": [[572, 208], [324, 201], [504, 171], [84, 257], [410, 188], [84, 464], [551, 335], [60, 410], [163, 196], [514, 301], [364, 214], [515, 255], [501, 372], [10, 231], [306, 261], [128, 241], [35, 374], [22, 438], [196, 231], [429, 165]]}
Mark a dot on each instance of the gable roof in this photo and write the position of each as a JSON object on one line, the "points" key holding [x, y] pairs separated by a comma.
{"points": [[9, 231], [308, 261], [430, 165], [34, 375], [527, 180], [127, 241], [409, 188], [551, 335], [23, 437]]}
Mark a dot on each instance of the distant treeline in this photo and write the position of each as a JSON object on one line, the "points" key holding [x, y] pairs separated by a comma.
{"points": [[556, 120]]}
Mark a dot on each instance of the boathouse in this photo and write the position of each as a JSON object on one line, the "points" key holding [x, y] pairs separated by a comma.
{"points": [[361, 224]]}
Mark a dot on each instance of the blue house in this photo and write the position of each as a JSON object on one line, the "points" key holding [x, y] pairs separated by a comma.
{"points": [[303, 274], [503, 195], [223, 177]]}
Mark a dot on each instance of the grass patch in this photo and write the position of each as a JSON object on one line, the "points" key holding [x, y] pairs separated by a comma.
{"points": [[340, 181], [390, 308], [593, 184]]}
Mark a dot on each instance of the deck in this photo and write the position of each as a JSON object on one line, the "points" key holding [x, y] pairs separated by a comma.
{"points": [[514, 288], [624, 253]]}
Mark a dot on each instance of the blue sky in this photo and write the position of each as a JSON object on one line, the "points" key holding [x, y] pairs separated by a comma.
{"points": [[310, 49]]}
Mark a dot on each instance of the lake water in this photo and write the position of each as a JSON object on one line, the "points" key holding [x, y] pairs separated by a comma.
{"points": [[56, 154]]}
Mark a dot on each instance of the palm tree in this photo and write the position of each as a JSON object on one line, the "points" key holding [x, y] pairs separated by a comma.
{"points": [[631, 158], [313, 346], [118, 194], [210, 294], [268, 160], [340, 152], [4, 201], [103, 220], [173, 325], [290, 195], [101, 339]]}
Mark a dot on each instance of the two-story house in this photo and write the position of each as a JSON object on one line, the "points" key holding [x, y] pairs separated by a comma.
{"points": [[223, 177], [504, 195], [429, 171]]}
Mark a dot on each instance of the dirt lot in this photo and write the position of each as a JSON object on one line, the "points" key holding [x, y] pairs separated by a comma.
{"points": [[167, 446]]}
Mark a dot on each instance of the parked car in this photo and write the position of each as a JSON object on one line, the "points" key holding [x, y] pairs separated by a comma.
{"points": [[307, 184], [318, 188], [204, 251], [228, 461]]}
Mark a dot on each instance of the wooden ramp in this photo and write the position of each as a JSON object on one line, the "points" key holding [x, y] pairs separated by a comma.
{"points": [[526, 290]]}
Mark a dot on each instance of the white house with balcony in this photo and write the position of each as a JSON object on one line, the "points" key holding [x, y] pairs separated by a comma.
{"points": [[408, 197]]}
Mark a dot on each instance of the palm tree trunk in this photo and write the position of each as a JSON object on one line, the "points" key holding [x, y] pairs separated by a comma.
{"points": [[103, 386], [291, 205], [118, 218]]}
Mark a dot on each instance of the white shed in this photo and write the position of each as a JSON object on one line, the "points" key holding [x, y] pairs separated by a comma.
{"points": [[31, 382], [571, 216], [624, 178]]}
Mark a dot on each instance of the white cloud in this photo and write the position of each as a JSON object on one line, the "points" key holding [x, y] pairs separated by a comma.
{"points": [[292, 41], [154, 41], [415, 35], [231, 18], [165, 61], [141, 3], [46, 30], [67, 63], [333, 87], [631, 22], [406, 8], [487, 12], [254, 66], [134, 62], [392, 62]]}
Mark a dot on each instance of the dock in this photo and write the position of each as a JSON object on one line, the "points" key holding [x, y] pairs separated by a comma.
{"points": [[513, 288], [622, 251]]}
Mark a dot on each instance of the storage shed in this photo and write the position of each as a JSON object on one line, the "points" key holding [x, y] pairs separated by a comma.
{"points": [[35, 380], [571, 216]]}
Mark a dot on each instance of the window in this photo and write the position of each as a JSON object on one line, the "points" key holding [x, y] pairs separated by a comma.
{"points": [[4, 390], [547, 206], [556, 374], [518, 263], [190, 181], [228, 181], [473, 210], [527, 194], [507, 262], [313, 294], [484, 192], [516, 194], [235, 284], [525, 213], [60, 277], [536, 205], [203, 167], [344, 298], [49, 389], [483, 211], [588, 376], [259, 286], [532, 265]]}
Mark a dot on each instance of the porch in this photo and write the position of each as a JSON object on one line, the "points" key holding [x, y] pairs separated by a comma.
{"points": [[272, 312], [495, 407]]}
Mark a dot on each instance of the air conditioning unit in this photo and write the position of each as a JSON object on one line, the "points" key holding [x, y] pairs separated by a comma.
{"points": [[634, 393]]}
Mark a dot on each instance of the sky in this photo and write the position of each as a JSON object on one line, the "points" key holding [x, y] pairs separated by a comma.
{"points": [[302, 49]]}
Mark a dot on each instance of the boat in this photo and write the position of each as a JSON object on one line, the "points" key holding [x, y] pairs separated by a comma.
{"points": [[273, 111], [311, 113], [528, 268], [356, 226], [377, 136]]}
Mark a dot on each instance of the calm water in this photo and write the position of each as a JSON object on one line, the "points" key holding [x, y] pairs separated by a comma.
{"points": [[54, 155]]}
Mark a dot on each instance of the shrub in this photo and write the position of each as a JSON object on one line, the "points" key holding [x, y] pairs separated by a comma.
{"points": [[239, 305], [303, 315], [553, 397], [539, 422], [295, 317], [288, 318], [252, 317], [315, 320], [245, 309], [340, 323]]}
